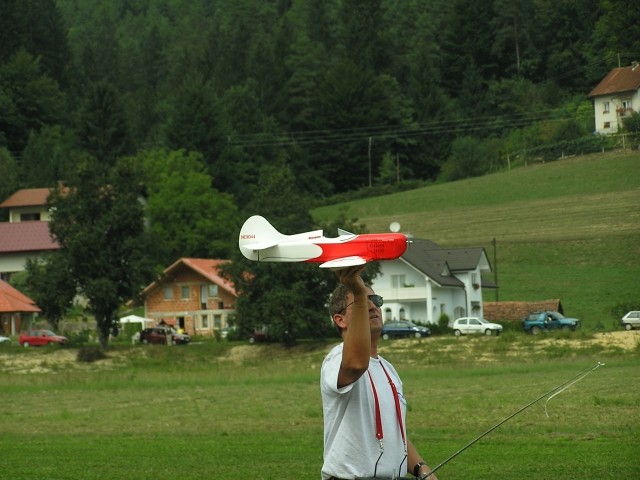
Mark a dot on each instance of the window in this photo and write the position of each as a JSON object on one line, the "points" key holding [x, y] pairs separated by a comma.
{"points": [[168, 292], [398, 281], [204, 321], [213, 290], [607, 125], [26, 217], [605, 106], [217, 322], [186, 294]]}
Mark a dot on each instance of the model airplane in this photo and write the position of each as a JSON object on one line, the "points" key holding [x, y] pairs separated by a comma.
{"points": [[260, 241]]}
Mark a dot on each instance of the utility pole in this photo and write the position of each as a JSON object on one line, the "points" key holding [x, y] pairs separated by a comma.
{"points": [[495, 265], [369, 162]]}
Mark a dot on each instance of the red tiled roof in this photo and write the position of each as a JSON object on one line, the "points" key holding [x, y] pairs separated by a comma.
{"points": [[28, 197], [11, 300], [618, 80], [25, 237], [208, 268]]}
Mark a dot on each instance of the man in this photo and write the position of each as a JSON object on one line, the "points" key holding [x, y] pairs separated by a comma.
{"points": [[363, 403]]}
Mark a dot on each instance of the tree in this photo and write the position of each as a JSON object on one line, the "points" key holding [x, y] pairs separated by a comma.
{"points": [[289, 298], [102, 127], [37, 27], [353, 110], [616, 35], [8, 173], [98, 223], [50, 156], [50, 285], [468, 159], [29, 99], [362, 33], [186, 214], [194, 123]]}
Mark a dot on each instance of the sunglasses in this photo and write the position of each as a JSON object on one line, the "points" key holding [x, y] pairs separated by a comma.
{"points": [[377, 300]]}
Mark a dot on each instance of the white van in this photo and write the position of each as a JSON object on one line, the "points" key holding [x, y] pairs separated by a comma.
{"points": [[631, 320]]}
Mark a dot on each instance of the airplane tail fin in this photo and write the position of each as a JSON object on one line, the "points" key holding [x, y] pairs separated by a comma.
{"points": [[257, 234]]}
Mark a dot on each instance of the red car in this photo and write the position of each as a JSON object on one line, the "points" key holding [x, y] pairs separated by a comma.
{"points": [[41, 337]]}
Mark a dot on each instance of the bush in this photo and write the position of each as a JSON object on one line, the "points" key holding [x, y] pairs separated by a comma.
{"points": [[80, 337], [90, 354]]}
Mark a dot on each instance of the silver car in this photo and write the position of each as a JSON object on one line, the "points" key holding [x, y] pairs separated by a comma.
{"points": [[631, 320], [471, 325]]}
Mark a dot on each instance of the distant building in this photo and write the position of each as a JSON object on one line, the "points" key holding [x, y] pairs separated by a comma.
{"points": [[26, 234], [429, 281], [616, 97], [15, 309], [191, 294], [516, 311]]}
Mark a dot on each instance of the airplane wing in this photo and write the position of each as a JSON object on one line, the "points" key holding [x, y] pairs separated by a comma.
{"points": [[260, 245], [343, 262]]}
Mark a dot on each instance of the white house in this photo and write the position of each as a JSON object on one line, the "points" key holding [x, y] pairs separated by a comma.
{"points": [[428, 281], [615, 97], [26, 234]]}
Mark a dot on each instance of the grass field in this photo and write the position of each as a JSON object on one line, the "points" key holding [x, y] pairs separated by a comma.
{"points": [[568, 229], [225, 411]]}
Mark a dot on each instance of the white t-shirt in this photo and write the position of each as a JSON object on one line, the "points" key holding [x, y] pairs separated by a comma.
{"points": [[351, 448]]}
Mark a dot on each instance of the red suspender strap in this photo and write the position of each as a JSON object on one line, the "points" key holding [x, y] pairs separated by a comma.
{"points": [[396, 397], [379, 434], [394, 390]]}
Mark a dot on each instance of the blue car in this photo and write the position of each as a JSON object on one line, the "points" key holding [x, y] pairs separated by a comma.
{"points": [[403, 329]]}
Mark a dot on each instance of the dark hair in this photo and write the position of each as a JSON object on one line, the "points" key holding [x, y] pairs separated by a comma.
{"points": [[338, 301]]}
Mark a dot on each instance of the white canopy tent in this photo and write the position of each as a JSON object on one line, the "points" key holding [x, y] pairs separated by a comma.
{"points": [[144, 322]]}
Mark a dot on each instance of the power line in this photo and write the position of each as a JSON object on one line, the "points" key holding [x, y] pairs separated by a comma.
{"points": [[335, 136]]}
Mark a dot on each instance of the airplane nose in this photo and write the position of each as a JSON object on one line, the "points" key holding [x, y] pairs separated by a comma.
{"points": [[399, 245]]}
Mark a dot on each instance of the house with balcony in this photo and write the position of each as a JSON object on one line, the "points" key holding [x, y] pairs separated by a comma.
{"points": [[191, 294], [26, 234], [616, 97], [429, 281]]}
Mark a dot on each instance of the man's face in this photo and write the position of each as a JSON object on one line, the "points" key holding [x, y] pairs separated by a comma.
{"points": [[375, 314]]}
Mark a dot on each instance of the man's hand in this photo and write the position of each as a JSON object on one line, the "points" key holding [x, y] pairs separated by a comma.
{"points": [[350, 278]]}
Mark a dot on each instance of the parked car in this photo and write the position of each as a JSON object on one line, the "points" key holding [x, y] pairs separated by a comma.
{"points": [[472, 325], [631, 320], [163, 335], [260, 334], [537, 322], [41, 337], [403, 329], [4, 339]]}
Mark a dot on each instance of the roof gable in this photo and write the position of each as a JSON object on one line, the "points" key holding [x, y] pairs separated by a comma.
{"points": [[207, 268], [12, 300], [26, 237], [439, 263], [618, 80]]}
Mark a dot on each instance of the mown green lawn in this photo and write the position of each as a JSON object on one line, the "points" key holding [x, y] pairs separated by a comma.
{"points": [[204, 412]]}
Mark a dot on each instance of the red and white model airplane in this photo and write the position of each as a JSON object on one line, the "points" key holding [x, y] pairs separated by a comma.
{"points": [[261, 242]]}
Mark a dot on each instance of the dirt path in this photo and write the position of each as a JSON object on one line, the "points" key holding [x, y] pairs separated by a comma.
{"points": [[61, 360]]}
